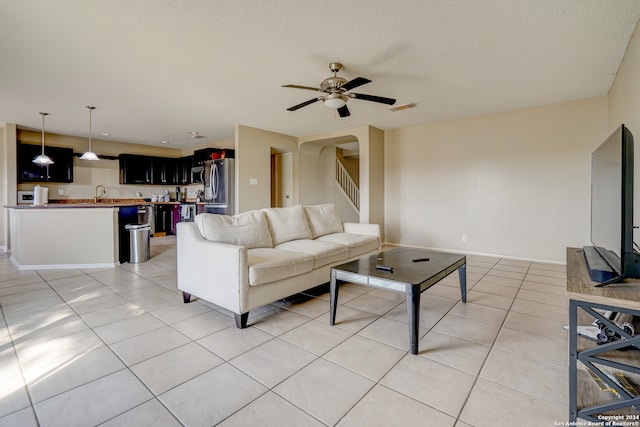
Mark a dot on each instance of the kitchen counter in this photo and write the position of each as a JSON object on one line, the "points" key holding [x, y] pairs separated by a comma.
{"points": [[53, 236], [89, 203], [76, 233]]}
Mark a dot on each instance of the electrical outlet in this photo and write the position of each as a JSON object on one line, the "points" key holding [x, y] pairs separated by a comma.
{"points": [[464, 238], [60, 192], [253, 181]]}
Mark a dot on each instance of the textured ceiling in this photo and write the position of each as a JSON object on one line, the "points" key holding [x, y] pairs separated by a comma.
{"points": [[157, 70]]}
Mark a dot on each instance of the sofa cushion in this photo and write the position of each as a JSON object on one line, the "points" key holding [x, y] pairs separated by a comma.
{"points": [[267, 265], [323, 253], [287, 224], [323, 220], [248, 229], [358, 244]]}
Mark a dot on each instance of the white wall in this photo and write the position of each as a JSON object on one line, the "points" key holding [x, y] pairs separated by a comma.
{"points": [[515, 183], [317, 182], [253, 162], [624, 107], [371, 143], [3, 194], [624, 96], [7, 179]]}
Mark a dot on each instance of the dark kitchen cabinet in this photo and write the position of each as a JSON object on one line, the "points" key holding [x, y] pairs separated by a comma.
{"points": [[60, 171], [126, 215], [202, 155], [135, 169], [139, 169], [163, 218], [175, 217], [183, 170], [163, 170]]}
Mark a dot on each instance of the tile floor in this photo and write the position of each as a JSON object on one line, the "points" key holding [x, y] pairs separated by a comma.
{"points": [[117, 347]]}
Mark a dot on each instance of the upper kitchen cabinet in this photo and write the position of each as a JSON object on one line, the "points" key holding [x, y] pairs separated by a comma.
{"points": [[183, 170], [139, 169], [202, 155], [163, 170], [60, 171], [135, 169]]}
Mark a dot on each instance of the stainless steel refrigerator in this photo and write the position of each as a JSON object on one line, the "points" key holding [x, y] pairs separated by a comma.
{"points": [[219, 189]]}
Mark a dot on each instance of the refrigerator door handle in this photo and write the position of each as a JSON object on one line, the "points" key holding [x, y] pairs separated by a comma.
{"points": [[214, 181], [211, 183]]}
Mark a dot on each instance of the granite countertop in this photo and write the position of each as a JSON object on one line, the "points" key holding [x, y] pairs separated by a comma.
{"points": [[90, 203]]}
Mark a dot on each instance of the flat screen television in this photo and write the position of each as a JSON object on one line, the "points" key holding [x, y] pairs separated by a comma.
{"points": [[613, 257]]}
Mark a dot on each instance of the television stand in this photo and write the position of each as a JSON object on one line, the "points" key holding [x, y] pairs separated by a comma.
{"points": [[587, 400], [599, 270]]}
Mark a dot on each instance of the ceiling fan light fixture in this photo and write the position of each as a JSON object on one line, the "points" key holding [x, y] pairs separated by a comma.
{"points": [[89, 155], [335, 101], [42, 159], [335, 92]]}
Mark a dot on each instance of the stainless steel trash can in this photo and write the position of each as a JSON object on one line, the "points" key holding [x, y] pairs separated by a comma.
{"points": [[139, 240]]}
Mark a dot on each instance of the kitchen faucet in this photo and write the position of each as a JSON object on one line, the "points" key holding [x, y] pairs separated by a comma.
{"points": [[104, 191]]}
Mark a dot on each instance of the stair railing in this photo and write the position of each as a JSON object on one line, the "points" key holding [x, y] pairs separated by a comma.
{"points": [[348, 186]]}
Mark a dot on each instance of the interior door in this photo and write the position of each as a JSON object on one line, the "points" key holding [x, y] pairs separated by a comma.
{"points": [[281, 184]]}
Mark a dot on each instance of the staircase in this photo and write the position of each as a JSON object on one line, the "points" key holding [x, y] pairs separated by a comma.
{"points": [[348, 187]]}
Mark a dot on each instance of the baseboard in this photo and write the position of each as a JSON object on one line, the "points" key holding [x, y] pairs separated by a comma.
{"points": [[60, 266], [454, 251]]}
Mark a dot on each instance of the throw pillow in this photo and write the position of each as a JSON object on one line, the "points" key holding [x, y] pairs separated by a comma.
{"points": [[287, 224], [323, 220], [248, 229]]}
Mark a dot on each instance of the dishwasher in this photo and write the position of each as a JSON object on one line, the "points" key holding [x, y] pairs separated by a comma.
{"points": [[145, 216]]}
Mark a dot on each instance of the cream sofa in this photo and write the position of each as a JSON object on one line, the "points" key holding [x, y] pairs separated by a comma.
{"points": [[248, 260]]}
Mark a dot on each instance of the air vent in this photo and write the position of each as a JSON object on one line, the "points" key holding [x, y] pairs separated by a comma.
{"points": [[403, 106]]}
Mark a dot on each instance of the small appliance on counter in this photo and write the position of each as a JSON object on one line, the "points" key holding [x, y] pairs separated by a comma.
{"points": [[25, 197], [40, 195]]}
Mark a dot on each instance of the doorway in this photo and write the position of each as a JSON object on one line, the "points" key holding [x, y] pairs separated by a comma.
{"points": [[281, 178]]}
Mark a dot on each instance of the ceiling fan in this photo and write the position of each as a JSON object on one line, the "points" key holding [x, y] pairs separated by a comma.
{"points": [[335, 94]]}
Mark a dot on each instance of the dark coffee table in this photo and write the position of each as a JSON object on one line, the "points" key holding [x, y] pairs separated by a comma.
{"points": [[409, 277]]}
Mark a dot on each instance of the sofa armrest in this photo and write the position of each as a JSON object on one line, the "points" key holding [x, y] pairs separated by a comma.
{"points": [[368, 229], [214, 271], [357, 228]]}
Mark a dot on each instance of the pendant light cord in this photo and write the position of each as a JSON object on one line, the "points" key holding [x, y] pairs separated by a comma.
{"points": [[90, 107], [43, 114]]}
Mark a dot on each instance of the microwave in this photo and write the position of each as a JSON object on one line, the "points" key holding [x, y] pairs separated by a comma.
{"points": [[25, 197], [197, 174]]}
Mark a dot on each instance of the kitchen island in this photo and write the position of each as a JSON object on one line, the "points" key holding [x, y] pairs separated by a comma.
{"points": [[69, 235]]}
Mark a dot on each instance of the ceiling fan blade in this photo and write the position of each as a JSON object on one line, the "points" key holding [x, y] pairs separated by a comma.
{"points": [[303, 87], [344, 111], [380, 99], [304, 104], [358, 81]]}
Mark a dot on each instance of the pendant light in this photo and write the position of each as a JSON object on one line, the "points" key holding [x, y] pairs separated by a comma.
{"points": [[43, 159], [89, 155]]}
